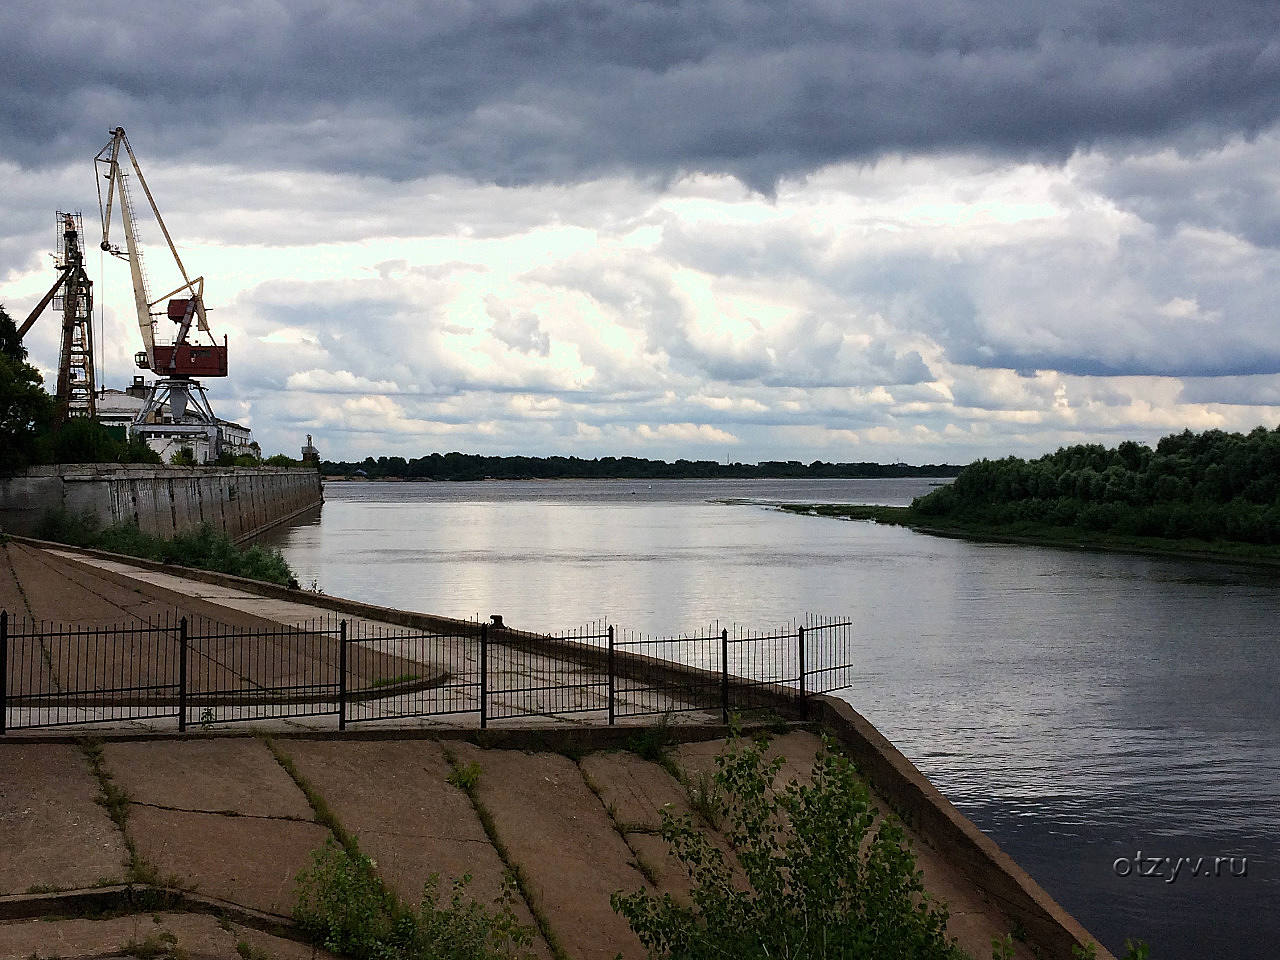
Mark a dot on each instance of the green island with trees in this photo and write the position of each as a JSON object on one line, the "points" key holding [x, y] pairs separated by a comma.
{"points": [[1213, 493]]}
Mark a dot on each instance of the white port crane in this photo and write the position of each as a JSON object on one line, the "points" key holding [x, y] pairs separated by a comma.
{"points": [[178, 362]]}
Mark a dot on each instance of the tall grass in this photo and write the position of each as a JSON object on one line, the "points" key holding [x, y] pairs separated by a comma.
{"points": [[204, 548]]}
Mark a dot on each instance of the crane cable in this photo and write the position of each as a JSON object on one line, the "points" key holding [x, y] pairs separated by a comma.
{"points": [[102, 346]]}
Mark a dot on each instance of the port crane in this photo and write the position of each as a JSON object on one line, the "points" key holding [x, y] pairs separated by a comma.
{"points": [[176, 361], [72, 293]]}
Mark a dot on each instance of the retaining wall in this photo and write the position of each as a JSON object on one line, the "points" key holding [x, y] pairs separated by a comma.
{"points": [[160, 500]]}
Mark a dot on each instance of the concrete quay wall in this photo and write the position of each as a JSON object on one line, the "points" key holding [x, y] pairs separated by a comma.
{"points": [[160, 500]]}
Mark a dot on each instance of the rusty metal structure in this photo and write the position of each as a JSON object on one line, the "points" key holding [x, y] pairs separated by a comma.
{"points": [[72, 293]]}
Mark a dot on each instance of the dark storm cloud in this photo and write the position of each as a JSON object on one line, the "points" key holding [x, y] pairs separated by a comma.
{"points": [[523, 90]]}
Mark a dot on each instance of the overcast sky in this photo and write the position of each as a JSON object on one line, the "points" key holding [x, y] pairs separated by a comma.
{"points": [[921, 230]]}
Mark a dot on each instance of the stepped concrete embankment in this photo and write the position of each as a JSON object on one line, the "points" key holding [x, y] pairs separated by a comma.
{"points": [[221, 818], [161, 500]]}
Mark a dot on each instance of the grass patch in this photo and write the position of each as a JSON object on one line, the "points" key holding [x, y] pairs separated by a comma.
{"points": [[158, 946], [247, 951], [707, 798], [465, 778], [652, 743], [850, 511], [343, 905], [205, 548]]}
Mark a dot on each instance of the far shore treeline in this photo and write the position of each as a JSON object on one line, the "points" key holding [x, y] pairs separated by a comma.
{"points": [[464, 466], [1209, 486]]}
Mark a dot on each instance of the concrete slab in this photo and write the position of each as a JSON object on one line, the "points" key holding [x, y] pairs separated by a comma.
{"points": [[667, 871], [198, 936], [420, 825], [226, 775], [559, 833], [251, 861], [797, 748], [52, 834], [636, 789]]}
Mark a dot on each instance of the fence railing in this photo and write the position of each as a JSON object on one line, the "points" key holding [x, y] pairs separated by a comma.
{"points": [[197, 670]]}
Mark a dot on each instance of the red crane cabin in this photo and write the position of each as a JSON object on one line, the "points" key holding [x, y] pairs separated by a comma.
{"points": [[194, 360]]}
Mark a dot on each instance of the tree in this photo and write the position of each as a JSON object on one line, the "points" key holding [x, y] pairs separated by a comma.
{"points": [[25, 409], [827, 878]]}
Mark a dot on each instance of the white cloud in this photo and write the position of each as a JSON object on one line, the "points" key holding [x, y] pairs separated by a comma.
{"points": [[917, 308]]}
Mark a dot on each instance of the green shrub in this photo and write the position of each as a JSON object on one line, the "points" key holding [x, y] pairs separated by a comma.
{"points": [[825, 879], [205, 548], [81, 440], [344, 907]]}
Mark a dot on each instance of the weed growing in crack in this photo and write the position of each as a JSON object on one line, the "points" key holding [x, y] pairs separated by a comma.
{"points": [[465, 778], [652, 743], [158, 946], [344, 907], [115, 801], [707, 798]]}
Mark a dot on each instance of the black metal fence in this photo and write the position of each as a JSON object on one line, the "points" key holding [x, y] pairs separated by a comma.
{"points": [[201, 671]]}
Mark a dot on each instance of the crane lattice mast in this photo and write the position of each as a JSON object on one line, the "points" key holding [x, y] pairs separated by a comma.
{"points": [[72, 293]]}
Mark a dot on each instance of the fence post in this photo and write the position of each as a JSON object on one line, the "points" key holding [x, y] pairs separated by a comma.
{"points": [[484, 675], [182, 675], [4, 672], [611, 711], [342, 675], [804, 702], [724, 674]]}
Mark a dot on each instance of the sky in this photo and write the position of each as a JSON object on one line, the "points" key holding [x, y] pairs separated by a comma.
{"points": [[917, 230]]}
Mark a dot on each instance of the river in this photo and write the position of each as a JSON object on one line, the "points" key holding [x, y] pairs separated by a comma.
{"points": [[1081, 708]]}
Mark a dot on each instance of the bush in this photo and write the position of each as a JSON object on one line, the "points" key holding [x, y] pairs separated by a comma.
{"points": [[81, 440], [205, 548], [825, 879], [343, 906]]}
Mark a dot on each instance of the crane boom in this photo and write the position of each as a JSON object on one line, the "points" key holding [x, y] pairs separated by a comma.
{"points": [[110, 157], [167, 359]]}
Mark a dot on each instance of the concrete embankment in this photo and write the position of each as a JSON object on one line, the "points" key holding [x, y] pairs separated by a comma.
{"points": [[223, 824], [223, 820], [160, 500]]}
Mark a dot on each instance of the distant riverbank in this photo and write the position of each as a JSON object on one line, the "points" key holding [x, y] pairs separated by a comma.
{"points": [[463, 467], [1044, 535]]}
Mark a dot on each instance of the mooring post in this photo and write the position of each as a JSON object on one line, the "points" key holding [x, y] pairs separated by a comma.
{"points": [[611, 712], [724, 674], [484, 675], [342, 675], [182, 675], [4, 672], [804, 703]]}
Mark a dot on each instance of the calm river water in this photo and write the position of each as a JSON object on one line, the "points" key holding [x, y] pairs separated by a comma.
{"points": [[1080, 708]]}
